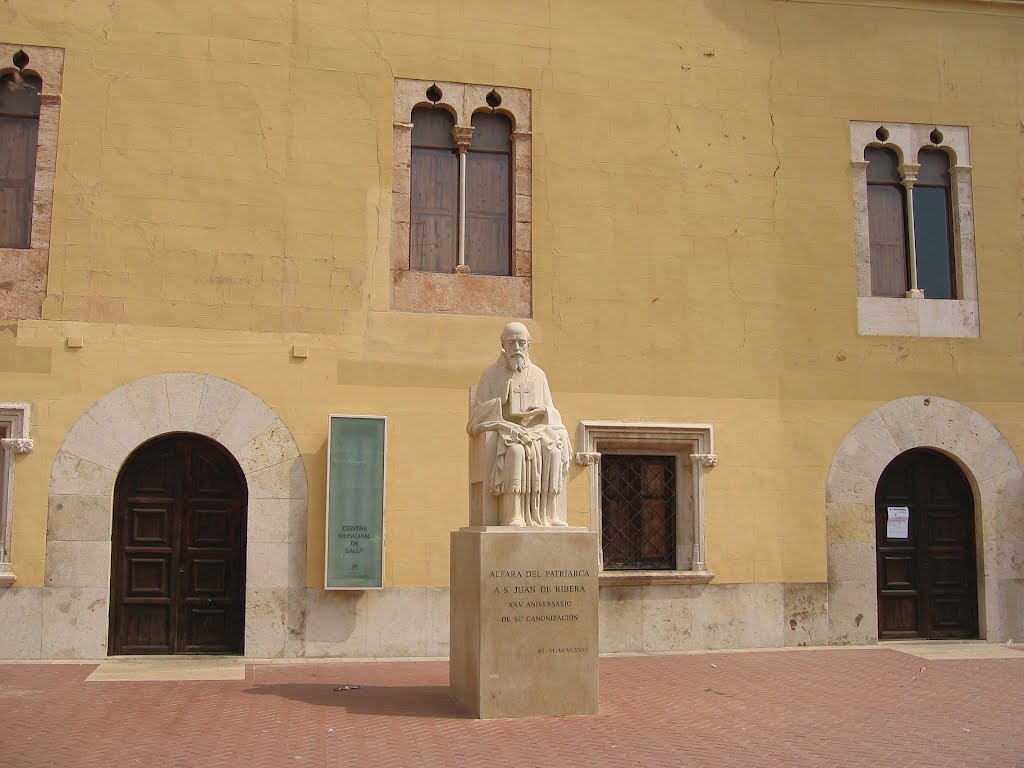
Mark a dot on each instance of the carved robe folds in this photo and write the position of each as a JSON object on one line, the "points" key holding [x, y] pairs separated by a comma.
{"points": [[519, 459]]}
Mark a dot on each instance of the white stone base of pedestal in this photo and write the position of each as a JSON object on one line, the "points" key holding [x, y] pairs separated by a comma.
{"points": [[524, 621]]}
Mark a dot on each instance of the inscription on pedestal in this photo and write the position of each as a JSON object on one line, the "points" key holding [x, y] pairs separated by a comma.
{"points": [[550, 595]]}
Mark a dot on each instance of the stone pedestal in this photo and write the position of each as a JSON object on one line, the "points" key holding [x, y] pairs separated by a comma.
{"points": [[524, 621]]}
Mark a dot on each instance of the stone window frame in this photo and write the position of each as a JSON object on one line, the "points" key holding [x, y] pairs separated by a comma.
{"points": [[15, 422], [917, 315], [27, 267], [694, 443], [462, 292]]}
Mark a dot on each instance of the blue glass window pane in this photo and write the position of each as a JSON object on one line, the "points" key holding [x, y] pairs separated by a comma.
{"points": [[931, 234]]}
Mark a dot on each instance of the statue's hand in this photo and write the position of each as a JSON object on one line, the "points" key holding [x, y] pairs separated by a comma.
{"points": [[535, 414]]}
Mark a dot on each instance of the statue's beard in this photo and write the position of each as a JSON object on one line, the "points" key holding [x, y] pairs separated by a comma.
{"points": [[517, 362]]}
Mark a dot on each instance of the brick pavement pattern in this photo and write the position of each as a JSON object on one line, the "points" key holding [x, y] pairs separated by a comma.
{"points": [[830, 707]]}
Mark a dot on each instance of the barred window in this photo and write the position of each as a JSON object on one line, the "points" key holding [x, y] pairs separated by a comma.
{"points": [[638, 503], [647, 498]]}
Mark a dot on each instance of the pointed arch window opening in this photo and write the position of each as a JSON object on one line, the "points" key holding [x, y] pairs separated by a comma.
{"points": [[461, 193], [478, 258], [910, 224], [20, 104]]}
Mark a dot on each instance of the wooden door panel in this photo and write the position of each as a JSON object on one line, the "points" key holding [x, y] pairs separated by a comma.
{"points": [[211, 477], [948, 572], [156, 477], [207, 628], [209, 578], [946, 527], [149, 575], [147, 627], [949, 615], [899, 572], [151, 525], [209, 526], [179, 550], [900, 614]]}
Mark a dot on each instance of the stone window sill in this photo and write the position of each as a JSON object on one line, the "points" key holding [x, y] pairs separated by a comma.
{"points": [[941, 318], [7, 577], [462, 294], [642, 578]]}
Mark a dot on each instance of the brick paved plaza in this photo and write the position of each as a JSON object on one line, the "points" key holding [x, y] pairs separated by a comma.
{"points": [[820, 707]]}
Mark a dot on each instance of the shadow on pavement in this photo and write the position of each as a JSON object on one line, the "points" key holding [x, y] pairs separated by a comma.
{"points": [[407, 701]]}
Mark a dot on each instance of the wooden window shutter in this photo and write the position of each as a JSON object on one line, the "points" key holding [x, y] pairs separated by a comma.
{"points": [[933, 235], [886, 224], [19, 133], [489, 196], [434, 198]]}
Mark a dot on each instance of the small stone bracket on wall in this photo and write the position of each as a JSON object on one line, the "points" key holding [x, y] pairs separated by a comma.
{"points": [[15, 422], [17, 444]]}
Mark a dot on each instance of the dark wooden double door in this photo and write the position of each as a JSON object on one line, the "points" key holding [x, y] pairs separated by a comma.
{"points": [[178, 570], [924, 528]]}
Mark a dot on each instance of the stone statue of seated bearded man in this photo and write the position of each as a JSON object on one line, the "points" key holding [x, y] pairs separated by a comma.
{"points": [[528, 464]]}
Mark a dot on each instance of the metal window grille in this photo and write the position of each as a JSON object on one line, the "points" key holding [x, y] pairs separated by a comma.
{"points": [[638, 512]]}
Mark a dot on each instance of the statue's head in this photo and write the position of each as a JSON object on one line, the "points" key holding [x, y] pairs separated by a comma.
{"points": [[515, 345]]}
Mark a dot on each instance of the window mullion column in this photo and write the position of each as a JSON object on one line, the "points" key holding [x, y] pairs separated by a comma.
{"points": [[463, 135], [908, 174]]}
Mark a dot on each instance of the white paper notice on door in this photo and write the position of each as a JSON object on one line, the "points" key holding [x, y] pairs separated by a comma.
{"points": [[897, 525]]}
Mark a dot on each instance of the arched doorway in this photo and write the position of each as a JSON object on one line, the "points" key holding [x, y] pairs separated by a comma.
{"points": [[178, 549], [925, 549]]}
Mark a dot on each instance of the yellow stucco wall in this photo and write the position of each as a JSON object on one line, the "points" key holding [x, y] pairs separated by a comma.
{"points": [[223, 192]]}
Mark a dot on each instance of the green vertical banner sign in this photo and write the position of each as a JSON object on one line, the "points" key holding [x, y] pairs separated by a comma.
{"points": [[355, 502]]}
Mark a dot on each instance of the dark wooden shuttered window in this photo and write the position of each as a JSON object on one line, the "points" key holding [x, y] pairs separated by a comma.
{"points": [[638, 512], [489, 196], [932, 233], [434, 214], [886, 224], [19, 132]]}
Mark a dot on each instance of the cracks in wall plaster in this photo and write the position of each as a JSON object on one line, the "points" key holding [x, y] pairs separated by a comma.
{"points": [[382, 198], [278, 174], [289, 272], [771, 114]]}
